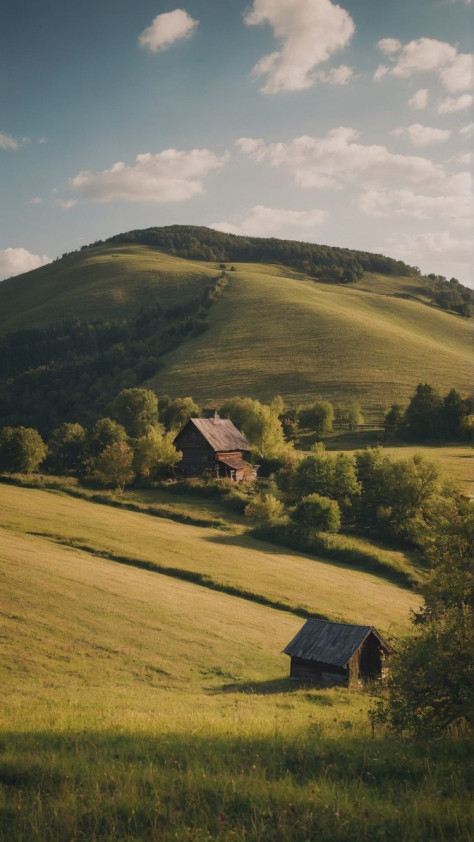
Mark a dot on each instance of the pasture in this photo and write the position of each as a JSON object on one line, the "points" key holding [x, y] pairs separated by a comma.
{"points": [[137, 706]]}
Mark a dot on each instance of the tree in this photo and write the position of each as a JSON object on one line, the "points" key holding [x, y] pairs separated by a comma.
{"points": [[453, 413], [155, 454], [265, 510], [105, 431], [317, 512], [323, 473], [21, 449], [430, 680], [424, 413], [115, 465], [393, 420], [174, 413], [136, 410], [67, 447], [318, 417], [259, 422], [353, 416]]}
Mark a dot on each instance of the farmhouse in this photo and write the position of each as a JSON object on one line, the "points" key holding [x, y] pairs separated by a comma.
{"points": [[214, 445], [336, 653]]}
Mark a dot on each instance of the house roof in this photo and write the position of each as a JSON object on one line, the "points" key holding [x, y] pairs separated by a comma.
{"points": [[331, 643], [235, 462], [220, 433]]}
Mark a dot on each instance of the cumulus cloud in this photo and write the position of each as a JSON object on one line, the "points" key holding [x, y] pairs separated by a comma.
{"points": [[389, 45], [338, 159], [428, 54], [8, 142], [443, 244], [169, 176], [419, 100], [450, 105], [166, 29], [66, 204], [15, 261], [467, 131], [422, 135], [455, 209], [261, 221], [308, 33], [36, 200]]}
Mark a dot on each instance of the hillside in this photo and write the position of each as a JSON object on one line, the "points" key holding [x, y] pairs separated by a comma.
{"points": [[121, 314], [135, 705]]}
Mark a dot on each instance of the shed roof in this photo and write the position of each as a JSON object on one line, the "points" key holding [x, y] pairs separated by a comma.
{"points": [[331, 643], [220, 433]]}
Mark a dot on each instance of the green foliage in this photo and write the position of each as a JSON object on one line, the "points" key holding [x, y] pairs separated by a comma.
{"points": [[317, 512], [136, 410], [353, 416], [199, 243], [104, 432], [155, 454], [423, 414], [174, 413], [67, 447], [322, 473], [259, 422], [22, 450], [431, 417], [265, 509], [429, 689], [114, 465], [318, 417]]}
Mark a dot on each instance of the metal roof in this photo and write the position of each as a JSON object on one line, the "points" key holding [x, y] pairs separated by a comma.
{"points": [[221, 434], [330, 643]]}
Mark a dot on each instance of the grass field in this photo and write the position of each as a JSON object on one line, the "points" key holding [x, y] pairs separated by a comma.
{"points": [[136, 706], [272, 331]]}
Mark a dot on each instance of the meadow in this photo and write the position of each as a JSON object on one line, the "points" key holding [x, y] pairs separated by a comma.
{"points": [[272, 331], [140, 706]]}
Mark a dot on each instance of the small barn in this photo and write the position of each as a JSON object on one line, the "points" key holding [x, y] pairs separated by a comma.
{"points": [[336, 653], [216, 446]]}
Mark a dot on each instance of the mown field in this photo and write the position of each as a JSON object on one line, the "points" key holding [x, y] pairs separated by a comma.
{"points": [[272, 330], [138, 706]]}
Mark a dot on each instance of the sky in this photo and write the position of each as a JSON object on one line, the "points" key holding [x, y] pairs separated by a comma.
{"points": [[347, 124]]}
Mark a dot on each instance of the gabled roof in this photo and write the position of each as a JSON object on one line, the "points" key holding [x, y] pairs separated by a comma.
{"points": [[331, 643], [220, 433]]}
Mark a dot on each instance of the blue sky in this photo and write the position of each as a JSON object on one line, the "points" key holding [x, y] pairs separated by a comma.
{"points": [[347, 123]]}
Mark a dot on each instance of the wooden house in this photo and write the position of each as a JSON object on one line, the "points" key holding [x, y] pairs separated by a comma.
{"points": [[336, 653], [216, 446]]}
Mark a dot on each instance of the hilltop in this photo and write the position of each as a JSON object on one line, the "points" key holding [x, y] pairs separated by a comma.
{"points": [[186, 310]]}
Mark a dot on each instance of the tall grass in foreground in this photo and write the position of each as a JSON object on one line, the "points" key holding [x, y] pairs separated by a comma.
{"points": [[217, 785]]}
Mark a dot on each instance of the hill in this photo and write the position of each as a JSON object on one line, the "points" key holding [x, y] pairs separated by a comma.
{"points": [[135, 705], [126, 313]]}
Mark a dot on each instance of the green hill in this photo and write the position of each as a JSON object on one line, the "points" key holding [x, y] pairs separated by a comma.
{"points": [[126, 313]]}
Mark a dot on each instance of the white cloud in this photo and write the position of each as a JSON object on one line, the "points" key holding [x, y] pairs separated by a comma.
{"points": [[389, 45], [337, 159], [467, 131], [15, 261], [450, 105], [454, 69], [381, 71], [168, 176], [335, 76], [435, 251], [8, 142], [419, 100], [308, 32], [66, 204], [166, 29], [455, 209], [443, 244], [36, 200], [422, 135], [262, 221]]}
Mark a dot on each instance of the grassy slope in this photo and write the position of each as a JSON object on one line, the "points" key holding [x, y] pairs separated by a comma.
{"points": [[137, 707], [272, 331], [103, 282], [232, 561]]}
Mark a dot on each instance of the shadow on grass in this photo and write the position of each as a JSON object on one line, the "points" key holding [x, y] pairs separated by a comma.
{"points": [[276, 686]]}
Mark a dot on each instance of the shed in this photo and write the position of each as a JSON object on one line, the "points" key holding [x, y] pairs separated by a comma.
{"points": [[337, 653], [214, 445]]}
